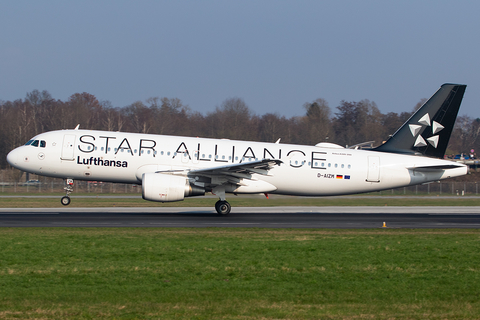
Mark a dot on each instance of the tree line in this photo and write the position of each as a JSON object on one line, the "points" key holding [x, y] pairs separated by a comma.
{"points": [[350, 123]]}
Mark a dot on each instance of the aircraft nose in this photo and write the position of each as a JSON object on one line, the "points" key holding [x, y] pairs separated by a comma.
{"points": [[12, 157]]}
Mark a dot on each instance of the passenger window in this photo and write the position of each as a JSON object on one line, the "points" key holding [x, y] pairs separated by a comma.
{"points": [[43, 144], [35, 143]]}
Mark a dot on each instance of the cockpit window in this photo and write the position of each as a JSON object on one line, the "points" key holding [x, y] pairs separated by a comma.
{"points": [[36, 143]]}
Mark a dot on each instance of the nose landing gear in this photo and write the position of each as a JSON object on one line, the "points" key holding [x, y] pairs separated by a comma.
{"points": [[68, 189], [65, 200]]}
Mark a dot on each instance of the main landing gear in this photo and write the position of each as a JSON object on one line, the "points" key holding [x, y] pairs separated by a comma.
{"points": [[68, 189], [222, 206]]}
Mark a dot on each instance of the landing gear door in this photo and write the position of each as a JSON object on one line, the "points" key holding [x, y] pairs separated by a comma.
{"points": [[373, 174], [68, 146]]}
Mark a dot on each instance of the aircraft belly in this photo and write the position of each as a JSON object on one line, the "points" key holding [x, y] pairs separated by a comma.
{"points": [[308, 182]]}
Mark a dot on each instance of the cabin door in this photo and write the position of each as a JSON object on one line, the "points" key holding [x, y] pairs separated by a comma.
{"points": [[373, 174], [68, 146]]}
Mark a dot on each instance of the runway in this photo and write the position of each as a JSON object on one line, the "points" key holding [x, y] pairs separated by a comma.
{"points": [[245, 217]]}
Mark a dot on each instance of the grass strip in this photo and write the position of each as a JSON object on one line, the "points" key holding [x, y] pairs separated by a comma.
{"points": [[220, 273], [243, 201]]}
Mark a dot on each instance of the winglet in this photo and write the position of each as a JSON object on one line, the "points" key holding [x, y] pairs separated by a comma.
{"points": [[428, 130]]}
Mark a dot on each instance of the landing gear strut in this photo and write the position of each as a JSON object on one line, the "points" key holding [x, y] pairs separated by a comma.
{"points": [[68, 189], [223, 207]]}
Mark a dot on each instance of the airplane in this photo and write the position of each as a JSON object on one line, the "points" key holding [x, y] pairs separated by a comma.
{"points": [[171, 168]]}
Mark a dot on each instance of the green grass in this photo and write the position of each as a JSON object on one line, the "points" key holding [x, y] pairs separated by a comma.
{"points": [[244, 201], [210, 273]]}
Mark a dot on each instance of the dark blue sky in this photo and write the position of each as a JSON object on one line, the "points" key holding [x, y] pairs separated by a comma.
{"points": [[276, 55]]}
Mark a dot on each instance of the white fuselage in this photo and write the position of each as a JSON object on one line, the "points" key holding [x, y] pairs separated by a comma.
{"points": [[306, 170]]}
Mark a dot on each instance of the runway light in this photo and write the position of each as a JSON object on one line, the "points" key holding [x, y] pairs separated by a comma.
{"points": [[384, 225]]}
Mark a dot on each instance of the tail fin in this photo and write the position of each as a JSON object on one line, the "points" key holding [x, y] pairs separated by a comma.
{"points": [[428, 130]]}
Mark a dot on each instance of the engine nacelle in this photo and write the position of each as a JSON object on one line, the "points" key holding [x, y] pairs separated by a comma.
{"points": [[167, 188]]}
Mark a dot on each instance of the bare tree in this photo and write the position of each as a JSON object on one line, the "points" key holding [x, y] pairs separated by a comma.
{"points": [[140, 117], [232, 120], [317, 126], [465, 135]]}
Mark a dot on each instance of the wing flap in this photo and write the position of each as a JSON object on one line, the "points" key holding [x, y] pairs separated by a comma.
{"points": [[240, 170]]}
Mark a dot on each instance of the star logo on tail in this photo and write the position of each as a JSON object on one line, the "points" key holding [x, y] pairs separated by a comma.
{"points": [[425, 121]]}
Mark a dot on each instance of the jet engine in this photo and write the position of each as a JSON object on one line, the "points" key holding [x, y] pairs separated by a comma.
{"points": [[167, 188]]}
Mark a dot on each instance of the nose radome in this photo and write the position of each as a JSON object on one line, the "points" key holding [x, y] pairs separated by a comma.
{"points": [[12, 157]]}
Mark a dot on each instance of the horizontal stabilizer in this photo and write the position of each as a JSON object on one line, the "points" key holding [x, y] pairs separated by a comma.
{"points": [[436, 168]]}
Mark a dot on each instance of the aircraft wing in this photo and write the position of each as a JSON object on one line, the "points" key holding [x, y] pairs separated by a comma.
{"points": [[240, 169], [238, 174]]}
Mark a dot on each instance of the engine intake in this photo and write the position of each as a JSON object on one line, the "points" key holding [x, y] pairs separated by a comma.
{"points": [[167, 188]]}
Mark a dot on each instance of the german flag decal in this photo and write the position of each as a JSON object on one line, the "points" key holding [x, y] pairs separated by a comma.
{"points": [[339, 176]]}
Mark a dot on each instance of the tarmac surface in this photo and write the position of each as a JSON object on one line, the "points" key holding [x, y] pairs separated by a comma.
{"points": [[245, 217]]}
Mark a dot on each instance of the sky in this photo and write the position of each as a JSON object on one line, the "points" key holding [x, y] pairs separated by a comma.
{"points": [[276, 55]]}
